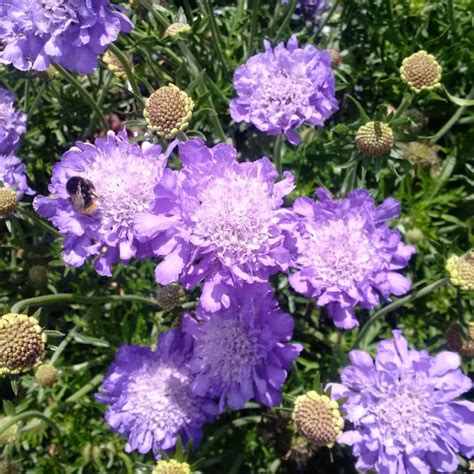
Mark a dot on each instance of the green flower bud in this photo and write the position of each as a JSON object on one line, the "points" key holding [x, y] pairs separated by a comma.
{"points": [[177, 29], [47, 375], [461, 271], [10, 434]]}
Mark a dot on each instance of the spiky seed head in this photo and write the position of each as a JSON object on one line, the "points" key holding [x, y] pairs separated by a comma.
{"points": [[22, 341], [453, 337], [423, 154], [172, 467], [168, 111], [421, 71], [10, 434], [461, 271], [114, 65], [374, 139], [47, 375], [38, 277], [8, 201], [177, 29], [318, 418], [169, 296]]}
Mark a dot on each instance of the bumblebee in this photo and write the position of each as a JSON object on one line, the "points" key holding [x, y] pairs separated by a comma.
{"points": [[82, 195]]}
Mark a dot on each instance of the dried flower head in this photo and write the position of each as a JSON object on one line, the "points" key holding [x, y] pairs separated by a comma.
{"points": [[38, 277], [22, 341], [421, 71], [10, 434], [453, 336], [8, 201], [461, 271], [374, 139], [177, 29], [47, 375], [424, 155], [172, 467], [169, 296], [114, 65], [318, 418], [168, 111]]}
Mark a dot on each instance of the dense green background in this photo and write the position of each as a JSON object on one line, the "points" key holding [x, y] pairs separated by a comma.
{"points": [[373, 37]]}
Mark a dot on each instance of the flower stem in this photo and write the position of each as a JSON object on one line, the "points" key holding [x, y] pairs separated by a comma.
{"points": [[405, 103], [83, 92], [71, 298], [452, 21], [128, 70], [277, 149], [397, 304], [326, 20], [253, 25], [286, 19]]}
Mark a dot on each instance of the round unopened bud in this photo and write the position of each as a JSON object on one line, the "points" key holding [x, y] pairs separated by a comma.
{"points": [[10, 434], [8, 201], [461, 271], [374, 139], [423, 154], [38, 277], [169, 296], [114, 65], [177, 29], [421, 71], [318, 418], [168, 111], [453, 337], [22, 341], [414, 235], [172, 467], [47, 375]]}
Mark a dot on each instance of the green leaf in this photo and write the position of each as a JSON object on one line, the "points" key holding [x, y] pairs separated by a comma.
{"points": [[459, 101], [365, 118]]}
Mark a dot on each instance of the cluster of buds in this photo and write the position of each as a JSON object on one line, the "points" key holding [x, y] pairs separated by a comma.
{"points": [[168, 111], [8, 201], [22, 341], [461, 271], [318, 418], [421, 71], [172, 467], [374, 139]]}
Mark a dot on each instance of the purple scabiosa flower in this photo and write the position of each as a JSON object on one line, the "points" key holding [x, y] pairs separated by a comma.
{"points": [[242, 352], [12, 175], [73, 33], [217, 220], [311, 10], [345, 253], [404, 409], [12, 122], [283, 88], [149, 396], [118, 178]]}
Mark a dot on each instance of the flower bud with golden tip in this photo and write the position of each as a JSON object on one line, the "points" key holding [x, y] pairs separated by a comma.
{"points": [[177, 29], [8, 201], [318, 418], [10, 434], [374, 139], [47, 375], [172, 467], [421, 71], [22, 343], [461, 271], [168, 111]]}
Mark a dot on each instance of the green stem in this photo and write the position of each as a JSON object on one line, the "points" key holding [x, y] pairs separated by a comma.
{"points": [[277, 149], [253, 25], [127, 67], [71, 298], [326, 20], [161, 19], [36, 100], [452, 121], [85, 95], [85, 389], [406, 102], [29, 414], [286, 19], [452, 21], [397, 304]]}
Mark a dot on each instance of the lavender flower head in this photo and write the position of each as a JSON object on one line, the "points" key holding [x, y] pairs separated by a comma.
{"points": [[124, 176], [12, 122], [149, 396], [217, 220], [405, 410], [346, 254], [12, 175], [283, 88], [310, 9], [242, 352], [73, 33]]}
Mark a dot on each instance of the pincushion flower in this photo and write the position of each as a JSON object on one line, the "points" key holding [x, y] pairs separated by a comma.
{"points": [[346, 254], [217, 220], [149, 396], [12, 123], [124, 176], [73, 33], [283, 88], [242, 353], [405, 410]]}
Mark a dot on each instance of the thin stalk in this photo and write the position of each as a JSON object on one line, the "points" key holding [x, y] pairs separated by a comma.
{"points": [[128, 69], [397, 304], [452, 21], [161, 19], [286, 19], [36, 100], [29, 414], [326, 20], [105, 89], [77, 299], [405, 103], [85, 95], [85, 389], [253, 25], [452, 121], [277, 149]]}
